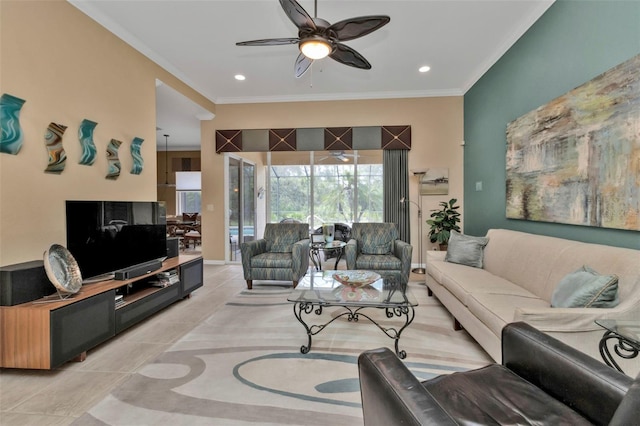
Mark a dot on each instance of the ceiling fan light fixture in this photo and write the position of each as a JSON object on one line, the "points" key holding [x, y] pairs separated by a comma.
{"points": [[315, 47]]}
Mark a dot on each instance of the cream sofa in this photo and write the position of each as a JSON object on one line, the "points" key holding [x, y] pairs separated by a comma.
{"points": [[519, 275]]}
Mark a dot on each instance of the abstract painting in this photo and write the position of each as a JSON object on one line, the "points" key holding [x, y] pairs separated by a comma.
{"points": [[576, 160], [435, 182]]}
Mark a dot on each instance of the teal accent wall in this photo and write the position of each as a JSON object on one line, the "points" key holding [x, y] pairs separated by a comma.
{"points": [[573, 42]]}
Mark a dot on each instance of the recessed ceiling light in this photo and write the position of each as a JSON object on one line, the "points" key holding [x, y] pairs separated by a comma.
{"points": [[240, 77], [424, 68]]}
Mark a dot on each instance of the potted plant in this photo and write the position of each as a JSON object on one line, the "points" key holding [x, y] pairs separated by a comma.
{"points": [[443, 221]]}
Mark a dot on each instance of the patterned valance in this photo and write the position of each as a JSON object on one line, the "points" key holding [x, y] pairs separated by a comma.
{"points": [[229, 140], [338, 139], [282, 140], [314, 139], [396, 137]]}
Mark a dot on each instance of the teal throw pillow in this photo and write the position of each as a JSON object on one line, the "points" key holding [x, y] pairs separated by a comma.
{"points": [[466, 250], [585, 288]]}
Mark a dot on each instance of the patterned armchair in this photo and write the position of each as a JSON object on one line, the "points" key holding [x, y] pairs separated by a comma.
{"points": [[282, 255], [376, 247]]}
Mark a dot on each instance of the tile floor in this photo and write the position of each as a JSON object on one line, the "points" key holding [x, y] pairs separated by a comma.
{"points": [[58, 397]]}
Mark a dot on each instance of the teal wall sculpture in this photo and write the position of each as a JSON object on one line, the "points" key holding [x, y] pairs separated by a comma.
{"points": [[12, 136], [85, 134], [138, 162], [53, 140], [113, 160]]}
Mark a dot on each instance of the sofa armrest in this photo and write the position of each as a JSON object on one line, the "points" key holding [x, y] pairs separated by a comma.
{"points": [[569, 320], [433, 255], [563, 372], [351, 253], [249, 249], [300, 258], [403, 251], [391, 394]]}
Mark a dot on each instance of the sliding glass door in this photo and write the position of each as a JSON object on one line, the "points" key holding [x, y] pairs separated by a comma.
{"points": [[325, 187], [242, 209]]}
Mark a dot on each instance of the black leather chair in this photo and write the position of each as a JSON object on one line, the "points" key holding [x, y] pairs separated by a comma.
{"points": [[541, 381]]}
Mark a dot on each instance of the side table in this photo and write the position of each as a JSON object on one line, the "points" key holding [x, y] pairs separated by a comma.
{"points": [[626, 337], [316, 248]]}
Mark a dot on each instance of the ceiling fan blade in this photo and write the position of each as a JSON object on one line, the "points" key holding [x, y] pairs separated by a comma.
{"points": [[350, 29], [269, 42], [346, 55], [297, 14], [302, 65]]}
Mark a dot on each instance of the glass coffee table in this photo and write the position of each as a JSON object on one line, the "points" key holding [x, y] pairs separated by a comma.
{"points": [[319, 290]]}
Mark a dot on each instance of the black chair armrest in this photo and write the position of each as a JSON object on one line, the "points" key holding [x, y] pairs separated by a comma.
{"points": [[565, 373], [392, 395]]}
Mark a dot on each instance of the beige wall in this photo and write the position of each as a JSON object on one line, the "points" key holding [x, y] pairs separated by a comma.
{"points": [[436, 128], [68, 68]]}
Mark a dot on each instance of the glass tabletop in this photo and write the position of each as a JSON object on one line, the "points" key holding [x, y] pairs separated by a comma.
{"points": [[327, 246], [322, 288], [628, 329]]}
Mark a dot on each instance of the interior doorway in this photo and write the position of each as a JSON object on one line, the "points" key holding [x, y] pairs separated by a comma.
{"points": [[242, 204]]}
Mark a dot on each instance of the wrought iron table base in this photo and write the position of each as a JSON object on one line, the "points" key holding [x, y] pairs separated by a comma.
{"points": [[314, 253], [623, 348], [353, 313]]}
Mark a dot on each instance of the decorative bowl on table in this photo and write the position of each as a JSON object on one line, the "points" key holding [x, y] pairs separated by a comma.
{"points": [[356, 278], [62, 269], [356, 294]]}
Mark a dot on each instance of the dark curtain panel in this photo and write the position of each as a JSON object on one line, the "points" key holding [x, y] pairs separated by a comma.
{"points": [[396, 185]]}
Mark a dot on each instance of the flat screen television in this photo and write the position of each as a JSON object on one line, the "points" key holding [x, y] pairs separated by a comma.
{"points": [[106, 236]]}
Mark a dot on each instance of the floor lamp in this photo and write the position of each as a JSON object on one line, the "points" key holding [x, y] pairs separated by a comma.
{"points": [[420, 269], [403, 200]]}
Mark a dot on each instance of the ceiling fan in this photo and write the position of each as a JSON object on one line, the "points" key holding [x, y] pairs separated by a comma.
{"points": [[339, 155], [318, 39]]}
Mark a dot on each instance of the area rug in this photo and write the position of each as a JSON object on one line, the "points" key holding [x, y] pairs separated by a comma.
{"points": [[243, 365]]}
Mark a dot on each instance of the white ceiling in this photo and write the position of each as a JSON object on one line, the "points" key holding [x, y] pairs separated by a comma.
{"points": [[179, 118], [195, 40]]}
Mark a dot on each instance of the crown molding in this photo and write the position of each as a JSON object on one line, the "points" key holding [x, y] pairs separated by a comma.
{"points": [[340, 97]]}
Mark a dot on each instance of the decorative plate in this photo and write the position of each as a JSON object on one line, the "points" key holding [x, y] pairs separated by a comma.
{"points": [[356, 278], [347, 293], [62, 269]]}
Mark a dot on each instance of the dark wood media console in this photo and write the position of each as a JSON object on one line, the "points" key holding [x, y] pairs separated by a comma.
{"points": [[45, 334]]}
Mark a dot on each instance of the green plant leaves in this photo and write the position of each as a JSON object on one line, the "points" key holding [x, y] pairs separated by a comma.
{"points": [[443, 221]]}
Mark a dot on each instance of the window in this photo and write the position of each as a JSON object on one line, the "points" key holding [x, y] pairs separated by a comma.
{"points": [[188, 193], [345, 186], [188, 202]]}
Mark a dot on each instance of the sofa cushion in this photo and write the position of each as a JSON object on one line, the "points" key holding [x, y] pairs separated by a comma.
{"points": [[462, 280], [497, 310], [380, 243], [585, 288], [283, 243], [496, 395], [378, 262], [272, 260], [465, 249]]}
